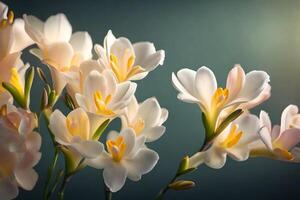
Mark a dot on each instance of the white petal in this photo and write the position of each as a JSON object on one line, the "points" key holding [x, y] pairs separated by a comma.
{"points": [[26, 178], [89, 65], [154, 133], [123, 95], [114, 176], [186, 78], [34, 28], [235, 81], [265, 135], [59, 55], [147, 57], [215, 157], [119, 47], [58, 28], [112, 135], [33, 141], [288, 138], [21, 39], [108, 42], [6, 41], [129, 140], [263, 96], [255, 82], [164, 116], [88, 149], [150, 112], [286, 116], [205, 84], [82, 44], [265, 120], [102, 161], [57, 125], [142, 163], [196, 160], [239, 152]]}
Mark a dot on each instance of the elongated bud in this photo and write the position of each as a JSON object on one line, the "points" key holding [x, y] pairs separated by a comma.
{"points": [[52, 98], [28, 84], [101, 129], [182, 185], [231, 117], [42, 75], [69, 101], [15, 93], [184, 164], [44, 100]]}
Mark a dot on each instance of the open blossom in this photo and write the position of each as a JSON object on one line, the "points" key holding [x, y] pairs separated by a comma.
{"points": [[58, 47], [234, 141], [13, 39], [19, 151], [241, 89], [103, 98], [280, 142], [74, 132], [145, 118], [128, 61], [124, 157]]}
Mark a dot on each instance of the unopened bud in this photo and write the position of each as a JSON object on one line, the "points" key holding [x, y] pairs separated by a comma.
{"points": [[182, 185]]}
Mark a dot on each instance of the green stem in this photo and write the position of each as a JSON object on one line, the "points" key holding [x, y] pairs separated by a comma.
{"points": [[46, 194], [63, 186], [108, 193], [163, 191]]}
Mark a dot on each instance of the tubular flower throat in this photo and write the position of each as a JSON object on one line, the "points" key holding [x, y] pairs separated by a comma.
{"points": [[138, 126], [76, 126], [123, 73], [233, 137], [116, 148], [282, 152], [9, 21], [101, 103], [219, 98]]}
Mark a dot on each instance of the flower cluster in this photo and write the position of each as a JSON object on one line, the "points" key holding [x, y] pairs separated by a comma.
{"points": [[98, 90]]}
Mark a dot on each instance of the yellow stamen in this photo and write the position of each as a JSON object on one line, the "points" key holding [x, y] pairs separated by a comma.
{"points": [[233, 137], [15, 80], [219, 98], [116, 148], [10, 17], [77, 126], [138, 126], [130, 62], [3, 110], [3, 23], [101, 104]]}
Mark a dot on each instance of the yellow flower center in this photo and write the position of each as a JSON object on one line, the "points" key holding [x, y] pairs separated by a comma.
{"points": [[138, 126], [116, 148], [233, 137], [9, 21], [101, 103], [78, 126], [219, 98], [126, 69], [15, 80]]}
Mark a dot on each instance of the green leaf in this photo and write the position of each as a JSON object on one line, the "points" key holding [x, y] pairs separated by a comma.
{"points": [[69, 101], [15, 93], [231, 117], [28, 84], [101, 129], [52, 98]]}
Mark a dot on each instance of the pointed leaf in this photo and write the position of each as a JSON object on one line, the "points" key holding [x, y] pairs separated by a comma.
{"points": [[101, 129], [15, 93]]}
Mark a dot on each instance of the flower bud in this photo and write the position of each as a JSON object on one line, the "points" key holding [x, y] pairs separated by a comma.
{"points": [[182, 185]]}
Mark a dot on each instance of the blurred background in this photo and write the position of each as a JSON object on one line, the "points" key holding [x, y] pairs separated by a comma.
{"points": [[259, 35]]}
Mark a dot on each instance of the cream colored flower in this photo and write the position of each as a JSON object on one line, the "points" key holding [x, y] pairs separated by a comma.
{"points": [[234, 141], [279, 142], [124, 157], [13, 39], [74, 132], [145, 118], [58, 47], [19, 151], [103, 98], [128, 61], [242, 91]]}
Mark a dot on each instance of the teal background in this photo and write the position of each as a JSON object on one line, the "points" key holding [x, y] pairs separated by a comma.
{"points": [[258, 34]]}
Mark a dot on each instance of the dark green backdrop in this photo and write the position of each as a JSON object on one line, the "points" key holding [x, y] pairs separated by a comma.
{"points": [[257, 34]]}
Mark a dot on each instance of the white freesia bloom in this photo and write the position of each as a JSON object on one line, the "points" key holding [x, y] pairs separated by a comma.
{"points": [[234, 141], [74, 132], [103, 98], [13, 39], [201, 87], [58, 47], [128, 61], [145, 118], [124, 157], [19, 151], [280, 142]]}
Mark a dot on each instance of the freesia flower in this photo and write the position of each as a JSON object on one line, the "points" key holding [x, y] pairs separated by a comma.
{"points": [[128, 61], [124, 157], [19, 151], [74, 132], [280, 142], [145, 118], [234, 141], [13, 39], [58, 47], [103, 98], [241, 90]]}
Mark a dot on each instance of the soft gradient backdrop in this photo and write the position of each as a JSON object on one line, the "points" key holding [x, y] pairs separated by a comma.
{"points": [[257, 34]]}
